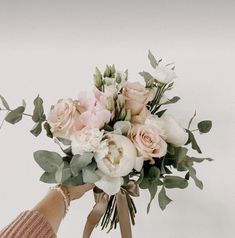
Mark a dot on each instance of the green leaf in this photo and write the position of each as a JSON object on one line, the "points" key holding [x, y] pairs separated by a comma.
{"points": [[38, 112], [163, 199], [152, 60], [204, 126], [74, 181], [199, 160], [180, 154], [4, 102], [172, 100], [47, 160], [78, 162], [175, 182], [141, 177], [16, 115], [160, 113], [193, 142], [63, 173], [37, 129], [147, 76], [192, 173], [154, 173], [47, 127], [171, 149], [90, 174], [48, 177], [64, 141], [144, 184], [153, 191]]}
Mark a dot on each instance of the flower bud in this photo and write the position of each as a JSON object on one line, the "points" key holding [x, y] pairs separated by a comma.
{"points": [[128, 115], [107, 72], [112, 70], [110, 104], [121, 101], [122, 114], [98, 81], [118, 78]]}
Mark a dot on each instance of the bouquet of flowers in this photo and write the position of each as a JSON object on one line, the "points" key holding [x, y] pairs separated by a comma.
{"points": [[120, 137]]}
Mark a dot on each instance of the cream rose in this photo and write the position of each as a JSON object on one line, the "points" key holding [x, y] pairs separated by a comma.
{"points": [[164, 74], [137, 97], [115, 158], [61, 118], [148, 140]]}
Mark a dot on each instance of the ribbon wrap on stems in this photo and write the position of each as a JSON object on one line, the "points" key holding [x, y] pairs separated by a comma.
{"points": [[122, 209]]}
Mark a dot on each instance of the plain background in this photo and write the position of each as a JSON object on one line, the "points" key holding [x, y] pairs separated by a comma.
{"points": [[52, 47]]}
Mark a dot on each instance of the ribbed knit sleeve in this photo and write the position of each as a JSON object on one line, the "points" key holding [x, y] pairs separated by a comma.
{"points": [[29, 224]]}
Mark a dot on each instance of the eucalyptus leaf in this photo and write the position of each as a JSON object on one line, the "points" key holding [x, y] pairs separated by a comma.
{"points": [[153, 191], [175, 182], [199, 160], [90, 174], [48, 177], [64, 141], [37, 129], [163, 199], [193, 142], [63, 173], [16, 115], [74, 181], [160, 113], [4, 102], [78, 162], [38, 112], [204, 126], [192, 173], [154, 173], [47, 127], [147, 76], [171, 101], [47, 160], [152, 60]]}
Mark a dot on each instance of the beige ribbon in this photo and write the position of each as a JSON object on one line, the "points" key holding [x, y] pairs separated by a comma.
{"points": [[102, 199]]}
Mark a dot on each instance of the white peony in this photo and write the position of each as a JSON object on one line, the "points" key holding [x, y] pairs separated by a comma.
{"points": [[174, 133], [116, 157], [164, 75], [86, 140]]}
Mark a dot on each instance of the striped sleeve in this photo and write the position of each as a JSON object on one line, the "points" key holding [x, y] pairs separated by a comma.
{"points": [[29, 224]]}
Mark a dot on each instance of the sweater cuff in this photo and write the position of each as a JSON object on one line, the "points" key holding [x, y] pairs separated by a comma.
{"points": [[29, 224]]}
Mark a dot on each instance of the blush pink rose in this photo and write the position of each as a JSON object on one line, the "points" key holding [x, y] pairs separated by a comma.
{"points": [[61, 118], [148, 141], [137, 97], [93, 112]]}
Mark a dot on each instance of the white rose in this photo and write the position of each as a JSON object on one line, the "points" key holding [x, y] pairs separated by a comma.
{"points": [[86, 140], [115, 158], [175, 134], [164, 75]]}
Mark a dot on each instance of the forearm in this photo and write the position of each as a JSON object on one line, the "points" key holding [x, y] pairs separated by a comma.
{"points": [[53, 208]]}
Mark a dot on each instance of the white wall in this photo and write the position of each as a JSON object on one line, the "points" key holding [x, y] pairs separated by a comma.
{"points": [[51, 47]]}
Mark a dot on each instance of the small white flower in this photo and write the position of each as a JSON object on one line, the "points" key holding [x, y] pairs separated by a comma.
{"points": [[86, 140], [175, 134], [164, 74]]}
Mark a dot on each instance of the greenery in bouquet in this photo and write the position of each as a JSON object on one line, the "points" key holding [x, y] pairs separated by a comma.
{"points": [[119, 136]]}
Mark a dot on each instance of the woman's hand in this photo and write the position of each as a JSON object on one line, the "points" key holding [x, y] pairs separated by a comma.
{"points": [[78, 191]]}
